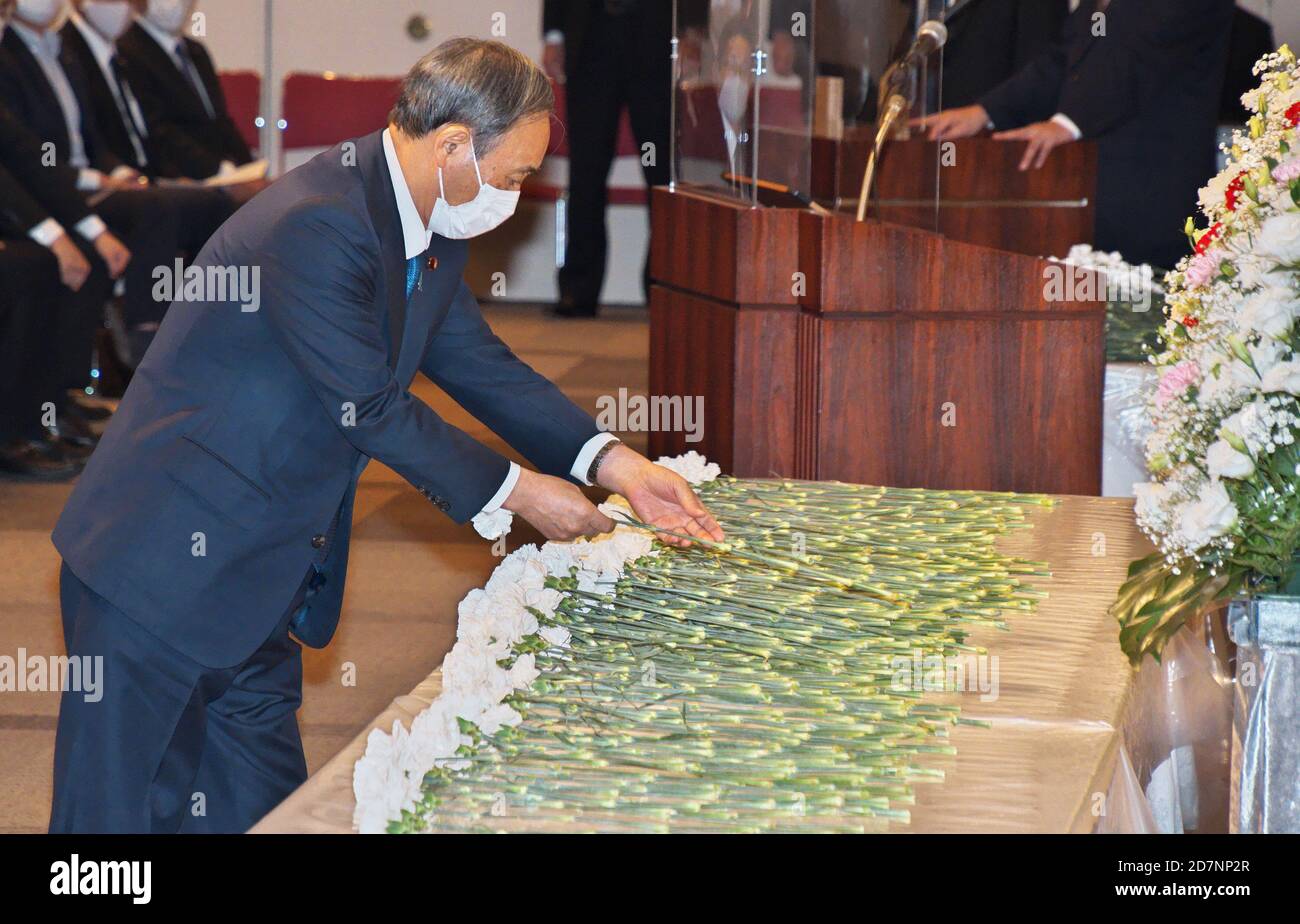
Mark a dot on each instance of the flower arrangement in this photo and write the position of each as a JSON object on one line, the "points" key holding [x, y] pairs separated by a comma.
{"points": [[1135, 301], [1222, 506], [618, 685]]}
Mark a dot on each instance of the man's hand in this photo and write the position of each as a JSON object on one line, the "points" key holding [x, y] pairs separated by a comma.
{"points": [[1043, 138], [659, 496], [553, 61], [557, 508], [113, 252], [953, 124], [74, 268]]}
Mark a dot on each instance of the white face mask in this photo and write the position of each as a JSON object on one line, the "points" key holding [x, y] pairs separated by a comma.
{"points": [[110, 18], [485, 211], [40, 13], [169, 15]]}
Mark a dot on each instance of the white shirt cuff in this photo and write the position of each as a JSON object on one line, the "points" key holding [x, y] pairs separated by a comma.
{"points": [[555, 37], [503, 492], [89, 180], [588, 452], [91, 227], [1067, 123], [46, 233]]}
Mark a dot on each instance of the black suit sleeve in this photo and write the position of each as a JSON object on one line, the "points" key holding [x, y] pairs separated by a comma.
{"points": [[19, 212], [54, 186], [1036, 19], [1032, 93]]}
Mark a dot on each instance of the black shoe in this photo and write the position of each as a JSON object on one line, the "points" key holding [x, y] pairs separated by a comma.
{"points": [[71, 427], [58, 447], [567, 307], [28, 460], [92, 413]]}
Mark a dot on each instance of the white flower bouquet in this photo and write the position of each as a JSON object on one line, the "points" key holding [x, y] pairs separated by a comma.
{"points": [[1222, 506]]}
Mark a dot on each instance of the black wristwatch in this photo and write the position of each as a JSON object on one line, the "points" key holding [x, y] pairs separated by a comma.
{"points": [[594, 467]]}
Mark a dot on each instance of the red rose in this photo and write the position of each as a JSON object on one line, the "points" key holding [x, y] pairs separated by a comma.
{"points": [[1235, 189], [1190, 322], [1209, 237], [1293, 114]]}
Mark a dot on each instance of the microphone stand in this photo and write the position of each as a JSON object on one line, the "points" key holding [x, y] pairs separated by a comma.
{"points": [[894, 108]]}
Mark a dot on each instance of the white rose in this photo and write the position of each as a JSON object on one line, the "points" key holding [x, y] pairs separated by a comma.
{"points": [[1283, 377], [1150, 496], [1225, 462], [1211, 515], [1279, 238], [1271, 311]]}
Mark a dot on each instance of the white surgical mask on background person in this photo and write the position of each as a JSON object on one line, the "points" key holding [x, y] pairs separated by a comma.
{"points": [[110, 18], [41, 13], [485, 211], [169, 15]]}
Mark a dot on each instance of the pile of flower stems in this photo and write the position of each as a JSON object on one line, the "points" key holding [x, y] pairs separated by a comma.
{"points": [[751, 687]]}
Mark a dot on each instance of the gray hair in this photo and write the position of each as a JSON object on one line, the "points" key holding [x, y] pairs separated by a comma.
{"points": [[486, 85]]}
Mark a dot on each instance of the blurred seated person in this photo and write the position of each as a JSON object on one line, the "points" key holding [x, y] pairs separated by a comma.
{"points": [[190, 132], [1144, 79], [47, 286], [47, 91], [89, 258], [89, 42]]}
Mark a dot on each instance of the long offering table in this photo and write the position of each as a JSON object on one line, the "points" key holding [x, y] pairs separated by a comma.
{"points": [[1049, 753]]}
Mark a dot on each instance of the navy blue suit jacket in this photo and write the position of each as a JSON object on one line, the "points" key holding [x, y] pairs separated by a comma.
{"points": [[243, 433]]}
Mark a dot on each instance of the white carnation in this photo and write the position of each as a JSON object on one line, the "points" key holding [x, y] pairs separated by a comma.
{"points": [[1279, 238], [1223, 461]]}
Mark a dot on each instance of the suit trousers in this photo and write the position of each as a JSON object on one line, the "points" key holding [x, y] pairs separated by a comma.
{"points": [[29, 308], [618, 64], [165, 744]]}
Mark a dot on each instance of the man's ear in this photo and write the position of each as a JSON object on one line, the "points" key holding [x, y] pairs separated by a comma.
{"points": [[448, 141]]}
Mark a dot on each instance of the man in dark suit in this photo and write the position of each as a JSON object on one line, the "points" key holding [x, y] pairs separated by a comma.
{"points": [[1144, 79], [44, 207], [190, 131], [215, 517], [46, 87], [29, 309], [1252, 39], [610, 54], [990, 40], [89, 39]]}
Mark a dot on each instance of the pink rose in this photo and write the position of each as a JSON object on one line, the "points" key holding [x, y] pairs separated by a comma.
{"points": [[1176, 381], [1286, 172], [1204, 268]]}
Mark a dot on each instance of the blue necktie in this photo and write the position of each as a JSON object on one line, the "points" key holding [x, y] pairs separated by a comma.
{"points": [[412, 275]]}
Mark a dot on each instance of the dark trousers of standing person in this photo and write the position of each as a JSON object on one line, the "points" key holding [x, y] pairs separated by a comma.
{"points": [[220, 747], [623, 60], [29, 311]]}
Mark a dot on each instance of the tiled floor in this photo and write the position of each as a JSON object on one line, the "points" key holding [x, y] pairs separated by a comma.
{"points": [[409, 568]]}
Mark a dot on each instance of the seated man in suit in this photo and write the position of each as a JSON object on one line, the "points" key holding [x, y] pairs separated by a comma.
{"points": [[29, 310], [90, 38], [45, 208], [47, 90], [215, 518], [1141, 77], [191, 133]]}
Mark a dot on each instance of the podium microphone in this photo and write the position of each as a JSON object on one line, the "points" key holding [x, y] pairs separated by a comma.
{"points": [[932, 36], [896, 99]]}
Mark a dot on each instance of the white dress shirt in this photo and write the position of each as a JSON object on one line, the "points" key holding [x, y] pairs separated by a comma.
{"points": [[417, 234], [45, 49]]}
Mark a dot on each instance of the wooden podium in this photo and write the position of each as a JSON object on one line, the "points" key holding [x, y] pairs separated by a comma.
{"points": [[872, 352]]}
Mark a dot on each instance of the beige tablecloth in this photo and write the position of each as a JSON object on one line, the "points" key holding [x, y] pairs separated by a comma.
{"points": [[1064, 690]]}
